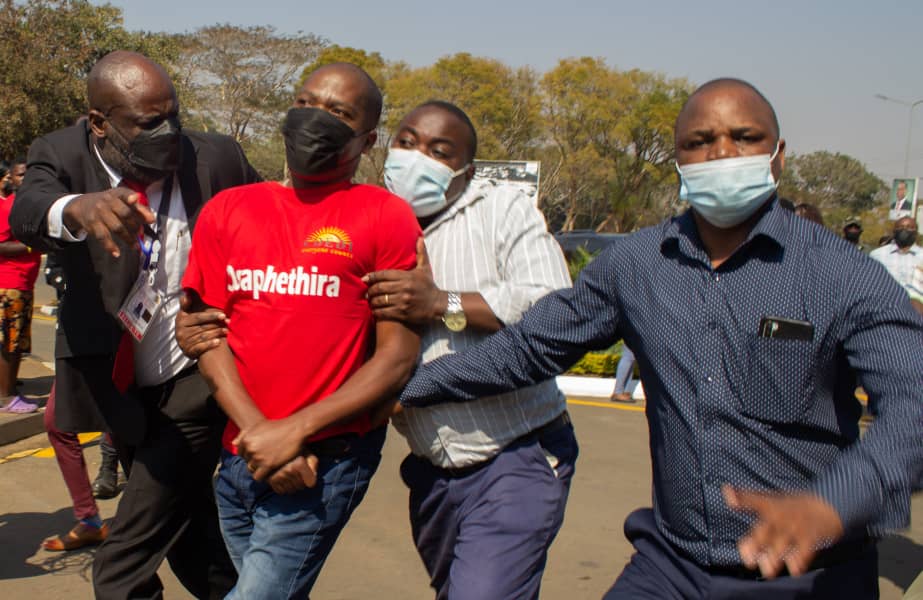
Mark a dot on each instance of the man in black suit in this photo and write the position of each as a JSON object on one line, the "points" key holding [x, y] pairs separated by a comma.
{"points": [[116, 197]]}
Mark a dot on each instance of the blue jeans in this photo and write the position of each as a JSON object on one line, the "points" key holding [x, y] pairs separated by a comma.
{"points": [[624, 370], [279, 542], [485, 535]]}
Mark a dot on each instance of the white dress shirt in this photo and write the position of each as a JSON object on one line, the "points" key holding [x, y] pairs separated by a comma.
{"points": [[899, 264], [157, 356], [492, 240]]}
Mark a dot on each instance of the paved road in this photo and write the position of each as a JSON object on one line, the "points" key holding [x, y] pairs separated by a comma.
{"points": [[375, 558]]}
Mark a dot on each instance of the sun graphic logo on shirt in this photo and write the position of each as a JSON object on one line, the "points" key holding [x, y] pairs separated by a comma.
{"points": [[329, 240]]}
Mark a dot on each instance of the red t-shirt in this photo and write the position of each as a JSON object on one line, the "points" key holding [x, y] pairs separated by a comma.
{"points": [[286, 267], [16, 272]]}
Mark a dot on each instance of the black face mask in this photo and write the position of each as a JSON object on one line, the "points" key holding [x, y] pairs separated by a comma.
{"points": [[155, 149], [852, 236], [314, 140], [904, 238]]}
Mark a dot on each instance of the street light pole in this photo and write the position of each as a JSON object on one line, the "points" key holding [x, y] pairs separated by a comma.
{"points": [[911, 106]]}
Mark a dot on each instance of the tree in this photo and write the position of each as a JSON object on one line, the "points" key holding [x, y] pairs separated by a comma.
{"points": [[502, 102], [240, 79], [371, 62], [609, 157], [831, 181], [47, 48]]}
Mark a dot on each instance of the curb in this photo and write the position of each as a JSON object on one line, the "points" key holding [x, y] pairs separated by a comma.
{"points": [[20, 427], [37, 378]]}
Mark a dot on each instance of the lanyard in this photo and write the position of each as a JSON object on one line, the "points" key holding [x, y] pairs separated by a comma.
{"points": [[151, 250]]}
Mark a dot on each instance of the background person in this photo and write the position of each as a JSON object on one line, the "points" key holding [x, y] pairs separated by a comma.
{"points": [[623, 373], [902, 255], [852, 232], [19, 266], [68, 452]]}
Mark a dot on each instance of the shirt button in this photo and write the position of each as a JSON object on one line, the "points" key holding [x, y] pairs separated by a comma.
{"points": [[709, 378]]}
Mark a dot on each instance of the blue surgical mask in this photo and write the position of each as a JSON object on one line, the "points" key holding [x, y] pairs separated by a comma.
{"points": [[419, 179], [727, 191]]}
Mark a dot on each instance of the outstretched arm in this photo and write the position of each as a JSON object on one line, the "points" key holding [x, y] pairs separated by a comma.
{"points": [[551, 336]]}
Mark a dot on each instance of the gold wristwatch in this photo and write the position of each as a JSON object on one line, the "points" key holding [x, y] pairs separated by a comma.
{"points": [[454, 317]]}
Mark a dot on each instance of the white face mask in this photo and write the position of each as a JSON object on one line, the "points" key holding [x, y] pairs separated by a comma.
{"points": [[727, 191], [419, 179]]}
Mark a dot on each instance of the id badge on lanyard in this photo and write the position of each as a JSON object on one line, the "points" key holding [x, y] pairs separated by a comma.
{"points": [[143, 304]]}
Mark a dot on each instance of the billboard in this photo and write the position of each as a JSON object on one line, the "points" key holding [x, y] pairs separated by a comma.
{"points": [[903, 199], [524, 174]]}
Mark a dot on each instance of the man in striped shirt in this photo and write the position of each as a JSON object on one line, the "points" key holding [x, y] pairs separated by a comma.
{"points": [[488, 481]]}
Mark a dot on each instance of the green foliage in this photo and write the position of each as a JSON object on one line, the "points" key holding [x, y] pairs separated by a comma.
{"points": [[267, 155], [47, 47], [603, 135], [503, 102], [371, 62], [837, 184], [239, 80], [611, 150], [579, 259], [600, 364]]}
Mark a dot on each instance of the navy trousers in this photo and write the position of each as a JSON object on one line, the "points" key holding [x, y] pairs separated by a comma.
{"points": [[657, 571], [484, 533]]}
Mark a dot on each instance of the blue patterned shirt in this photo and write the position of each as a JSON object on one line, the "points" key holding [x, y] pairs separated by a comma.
{"points": [[724, 404]]}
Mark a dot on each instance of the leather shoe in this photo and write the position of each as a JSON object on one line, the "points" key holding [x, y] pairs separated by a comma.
{"points": [[105, 485], [78, 537]]}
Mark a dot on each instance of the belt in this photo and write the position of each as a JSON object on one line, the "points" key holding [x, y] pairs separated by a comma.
{"points": [[562, 420], [336, 446], [824, 559]]}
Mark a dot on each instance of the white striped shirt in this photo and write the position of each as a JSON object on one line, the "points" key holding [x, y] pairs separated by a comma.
{"points": [[492, 240]]}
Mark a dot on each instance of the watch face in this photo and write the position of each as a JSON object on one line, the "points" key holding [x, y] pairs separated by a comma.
{"points": [[455, 321]]}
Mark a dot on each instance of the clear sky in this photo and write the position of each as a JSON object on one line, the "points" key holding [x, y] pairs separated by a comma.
{"points": [[820, 62]]}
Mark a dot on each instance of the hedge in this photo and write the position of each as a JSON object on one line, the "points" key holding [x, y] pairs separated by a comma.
{"points": [[601, 364]]}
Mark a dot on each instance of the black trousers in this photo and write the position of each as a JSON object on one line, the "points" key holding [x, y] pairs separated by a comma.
{"points": [[167, 509]]}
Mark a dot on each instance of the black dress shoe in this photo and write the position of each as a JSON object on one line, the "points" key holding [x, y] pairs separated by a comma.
{"points": [[105, 485]]}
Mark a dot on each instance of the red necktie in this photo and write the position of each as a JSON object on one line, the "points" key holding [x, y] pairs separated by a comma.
{"points": [[123, 367]]}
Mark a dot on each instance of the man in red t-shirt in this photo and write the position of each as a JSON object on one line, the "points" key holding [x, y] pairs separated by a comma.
{"points": [[304, 361], [19, 267]]}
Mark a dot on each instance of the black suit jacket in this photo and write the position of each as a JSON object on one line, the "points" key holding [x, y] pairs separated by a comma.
{"points": [[905, 204], [62, 163]]}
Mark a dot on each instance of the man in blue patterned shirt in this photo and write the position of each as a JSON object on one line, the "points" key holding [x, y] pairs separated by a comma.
{"points": [[751, 328]]}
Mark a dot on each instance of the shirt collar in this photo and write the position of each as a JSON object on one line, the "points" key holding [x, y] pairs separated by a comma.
{"points": [[115, 178], [773, 225], [475, 191], [913, 250]]}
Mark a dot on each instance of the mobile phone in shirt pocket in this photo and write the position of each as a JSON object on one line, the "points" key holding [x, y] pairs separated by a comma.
{"points": [[779, 380]]}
